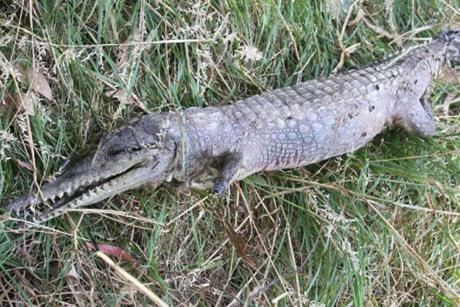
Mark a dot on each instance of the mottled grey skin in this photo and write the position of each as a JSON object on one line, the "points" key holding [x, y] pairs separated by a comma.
{"points": [[284, 128]]}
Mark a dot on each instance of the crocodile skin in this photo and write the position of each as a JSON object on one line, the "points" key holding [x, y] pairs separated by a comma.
{"points": [[314, 120]]}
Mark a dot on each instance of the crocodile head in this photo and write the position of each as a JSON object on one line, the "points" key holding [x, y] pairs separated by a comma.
{"points": [[123, 160]]}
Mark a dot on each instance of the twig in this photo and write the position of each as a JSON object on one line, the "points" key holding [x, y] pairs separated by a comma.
{"points": [[128, 277], [456, 11], [430, 273], [291, 36], [346, 51]]}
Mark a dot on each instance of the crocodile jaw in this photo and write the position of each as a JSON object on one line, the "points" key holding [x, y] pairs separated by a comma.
{"points": [[90, 181], [126, 181]]}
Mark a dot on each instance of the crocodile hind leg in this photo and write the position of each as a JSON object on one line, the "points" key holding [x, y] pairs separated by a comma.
{"points": [[228, 172], [414, 116]]}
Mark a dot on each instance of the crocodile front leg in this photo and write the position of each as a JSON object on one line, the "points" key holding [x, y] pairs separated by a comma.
{"points": [[231, 166]]}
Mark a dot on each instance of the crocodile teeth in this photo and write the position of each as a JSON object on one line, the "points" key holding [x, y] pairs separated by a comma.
{"points": [[48, 197], [68, 191], [77, 203], [98, 190], [110, 183], [85, 196], [54, 197], [27, 212]]}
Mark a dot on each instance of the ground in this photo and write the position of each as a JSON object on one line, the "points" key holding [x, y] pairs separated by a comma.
{"points": [[376, 227]]}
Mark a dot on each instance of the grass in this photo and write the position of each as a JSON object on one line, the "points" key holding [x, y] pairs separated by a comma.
{"points": [[376, 227]]}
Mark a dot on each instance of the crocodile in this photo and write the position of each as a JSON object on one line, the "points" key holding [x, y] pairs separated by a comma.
{"points": [[291, 127]]}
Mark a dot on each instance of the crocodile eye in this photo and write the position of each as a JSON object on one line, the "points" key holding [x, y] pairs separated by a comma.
{"points": [[115, 150], [133, 149]]}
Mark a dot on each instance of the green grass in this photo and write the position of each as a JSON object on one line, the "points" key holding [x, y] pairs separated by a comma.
{"points": [[376, 227]]}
